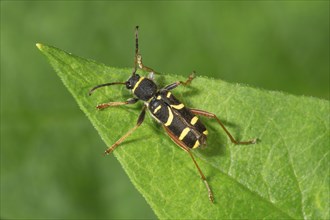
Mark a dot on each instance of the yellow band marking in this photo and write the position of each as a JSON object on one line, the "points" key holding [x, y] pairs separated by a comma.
{"points": [[168, 94], [205, 132], [159, 97], [184, 133], [170, 117], [180, 106], [157, 109], [194, 120], [196, 144], [137, 84]]}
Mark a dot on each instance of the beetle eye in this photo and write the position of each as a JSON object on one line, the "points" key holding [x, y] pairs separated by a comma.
{"points": [[128, 85]]}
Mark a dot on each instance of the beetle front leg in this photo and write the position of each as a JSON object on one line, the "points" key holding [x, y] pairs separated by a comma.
{"points": [[138, 57], [106, 105]]}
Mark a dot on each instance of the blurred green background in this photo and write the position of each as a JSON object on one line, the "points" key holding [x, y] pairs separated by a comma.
{"points": [[51, 163]]}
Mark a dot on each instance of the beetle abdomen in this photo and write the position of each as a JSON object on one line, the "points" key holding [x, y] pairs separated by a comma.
{"points": [[181, 122]]}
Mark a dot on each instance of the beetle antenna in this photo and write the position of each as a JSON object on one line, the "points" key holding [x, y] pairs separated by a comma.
{"points": [[136, 40], [136, 48], [105, 84]]}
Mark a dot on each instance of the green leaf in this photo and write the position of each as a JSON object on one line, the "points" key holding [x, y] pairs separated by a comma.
{"points": [[285, 175]]}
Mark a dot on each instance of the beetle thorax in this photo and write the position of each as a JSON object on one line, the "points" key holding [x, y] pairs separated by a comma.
{"points": [[143, 88]]}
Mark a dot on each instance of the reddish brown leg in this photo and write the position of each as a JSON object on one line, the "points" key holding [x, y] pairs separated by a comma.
{"points": [[138, 58], [187, 149], [106, 105], [176, 84], [211, 115], [139, 122], [141, 66]]}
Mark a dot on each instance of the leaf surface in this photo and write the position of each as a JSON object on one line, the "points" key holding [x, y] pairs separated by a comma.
{"points": [[285, 175]]}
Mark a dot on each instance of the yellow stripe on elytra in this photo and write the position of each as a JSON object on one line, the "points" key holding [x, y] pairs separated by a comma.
{"points": [[194, 120], [168, 94], [157, 109], [205, 132], [196, 144], [180, 106], [170, 117], [137, 84], [184, 133]]}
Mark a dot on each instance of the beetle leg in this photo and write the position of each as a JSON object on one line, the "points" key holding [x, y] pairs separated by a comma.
{"points": [[211, 115], [176, 84], [187, 149], [138, 57], [139, 122], [106, 105]]}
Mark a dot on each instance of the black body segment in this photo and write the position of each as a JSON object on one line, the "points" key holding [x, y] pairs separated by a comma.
{"points": [[159, 110], [178, 119], [144, 89], [185, 112]]}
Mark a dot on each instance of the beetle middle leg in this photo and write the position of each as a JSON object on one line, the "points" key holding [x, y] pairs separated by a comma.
{"points": [[139, 122]]}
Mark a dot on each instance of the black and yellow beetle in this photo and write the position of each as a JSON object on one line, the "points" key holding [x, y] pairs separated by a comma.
{"points": [[180, 122]]}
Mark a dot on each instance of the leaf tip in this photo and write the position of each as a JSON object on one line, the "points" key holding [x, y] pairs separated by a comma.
{"points": [[39, 45]]}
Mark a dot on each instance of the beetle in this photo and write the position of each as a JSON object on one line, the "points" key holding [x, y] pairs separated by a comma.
{"points": [[180, 123]]}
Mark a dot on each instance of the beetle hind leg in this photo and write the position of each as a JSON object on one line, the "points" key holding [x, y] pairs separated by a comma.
{"points": [[212, 115], [187, 149]]}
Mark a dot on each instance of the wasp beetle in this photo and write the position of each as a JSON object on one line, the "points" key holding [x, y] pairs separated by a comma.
{"points": [[181, 123]]}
